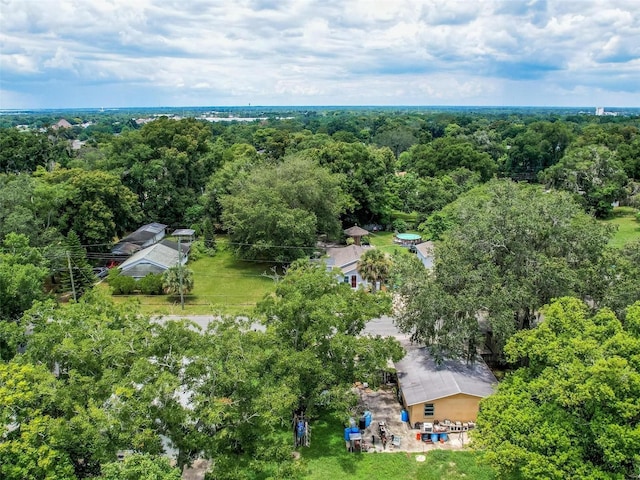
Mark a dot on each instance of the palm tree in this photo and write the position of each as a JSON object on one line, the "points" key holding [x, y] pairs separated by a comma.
{"points": [[374, 266], [171, 280]]}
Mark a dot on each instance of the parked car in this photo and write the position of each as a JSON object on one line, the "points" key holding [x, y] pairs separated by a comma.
{"points": [[101, 272]]}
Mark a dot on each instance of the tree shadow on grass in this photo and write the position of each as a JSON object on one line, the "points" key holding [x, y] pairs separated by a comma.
{"points": [[327, 440]]}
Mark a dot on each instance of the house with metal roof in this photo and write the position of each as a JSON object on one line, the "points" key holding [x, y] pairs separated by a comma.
{"points": [[346, 259], [143, 237], [449, 390], [155, 259], [147, 235]]}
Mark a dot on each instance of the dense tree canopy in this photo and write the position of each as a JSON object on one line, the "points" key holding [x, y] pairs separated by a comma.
{"points": [[593, 174], [366, 171], [140, 467], [319, 318], [95, 204], [511, 249], [574, 411], [22, 273], [81, 382], [278, 211], [26, 151]]}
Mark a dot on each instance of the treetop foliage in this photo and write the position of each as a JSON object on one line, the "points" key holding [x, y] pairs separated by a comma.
{"points": [[573, 410]]}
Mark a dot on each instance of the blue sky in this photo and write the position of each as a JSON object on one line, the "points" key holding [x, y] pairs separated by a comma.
{"points": [[119, 53]]}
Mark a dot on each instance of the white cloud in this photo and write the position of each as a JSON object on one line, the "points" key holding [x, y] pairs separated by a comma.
{"points": [[313, 51]]}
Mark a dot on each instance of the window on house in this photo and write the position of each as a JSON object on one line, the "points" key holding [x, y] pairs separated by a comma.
{"points": [[429, 409], [354, 281], [346, 279]]}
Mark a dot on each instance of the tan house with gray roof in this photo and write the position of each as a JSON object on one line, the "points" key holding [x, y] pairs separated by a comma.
{"points": [[450, 390]]}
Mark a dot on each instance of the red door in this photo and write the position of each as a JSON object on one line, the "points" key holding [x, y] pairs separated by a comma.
{"points": [[354, 281]]}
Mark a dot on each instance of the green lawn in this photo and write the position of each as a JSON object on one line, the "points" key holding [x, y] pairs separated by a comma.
{"points": [[628, 226], [327, 458], [221, 284], [384, 241]]}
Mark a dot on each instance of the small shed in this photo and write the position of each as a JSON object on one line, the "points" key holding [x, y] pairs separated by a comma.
{"points": [[425, 252], [450, 390], [356, 233], [184, 234]]}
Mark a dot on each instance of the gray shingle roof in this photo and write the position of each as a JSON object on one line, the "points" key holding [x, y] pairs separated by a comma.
{"points": [[184, 246], [425, 248], [421, 380], [160, 255], [345, 256]]}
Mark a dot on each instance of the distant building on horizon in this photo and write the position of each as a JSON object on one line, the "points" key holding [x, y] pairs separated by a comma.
{"points": [[600, 112], [62, 123]]}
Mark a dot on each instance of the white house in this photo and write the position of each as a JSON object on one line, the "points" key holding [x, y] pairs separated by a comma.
{"points": [[425, 253], [346, 259], [154, 259]]}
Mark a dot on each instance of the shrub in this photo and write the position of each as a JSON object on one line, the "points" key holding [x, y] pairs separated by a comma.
{"points": [[121, 284], [399, 225], [350, 241], [199, 249], [151, 284]]}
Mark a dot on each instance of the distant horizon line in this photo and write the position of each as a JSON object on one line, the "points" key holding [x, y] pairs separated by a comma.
{"points": [[302, 106]]}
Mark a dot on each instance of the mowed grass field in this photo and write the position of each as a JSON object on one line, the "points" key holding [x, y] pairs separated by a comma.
{"points": [[628, 227], [327, 458], [384, 241], [222, 284]]}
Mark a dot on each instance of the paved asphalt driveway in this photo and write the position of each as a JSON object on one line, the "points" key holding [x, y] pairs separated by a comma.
{"points": [[377, 326]]}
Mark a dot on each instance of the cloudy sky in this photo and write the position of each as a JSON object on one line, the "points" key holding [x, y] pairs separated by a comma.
{"points": [[118, 53]]}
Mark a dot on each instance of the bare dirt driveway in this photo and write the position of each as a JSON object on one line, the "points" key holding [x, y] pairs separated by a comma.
{"points": [[384, 407]]}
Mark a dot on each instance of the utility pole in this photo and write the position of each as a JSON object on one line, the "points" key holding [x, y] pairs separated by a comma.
{"points": [[180, 273], [73, 288]]}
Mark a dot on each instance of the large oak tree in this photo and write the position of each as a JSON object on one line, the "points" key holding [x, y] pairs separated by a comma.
{"points": [[574, 411], [511, 249], [277, 212]]}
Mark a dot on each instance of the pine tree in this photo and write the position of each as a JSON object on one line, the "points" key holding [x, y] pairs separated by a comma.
{"points": [[208, 232], [76, 263]]}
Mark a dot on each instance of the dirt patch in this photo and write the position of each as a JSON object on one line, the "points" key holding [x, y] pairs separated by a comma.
{"points": [[385, 407], [197, 471]]}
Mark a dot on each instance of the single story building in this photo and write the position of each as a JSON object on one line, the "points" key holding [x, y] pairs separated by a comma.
{"points": [[451, 390], [346, 259], [146, 235], [425, 252], [185, 234], [155, 259]]}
